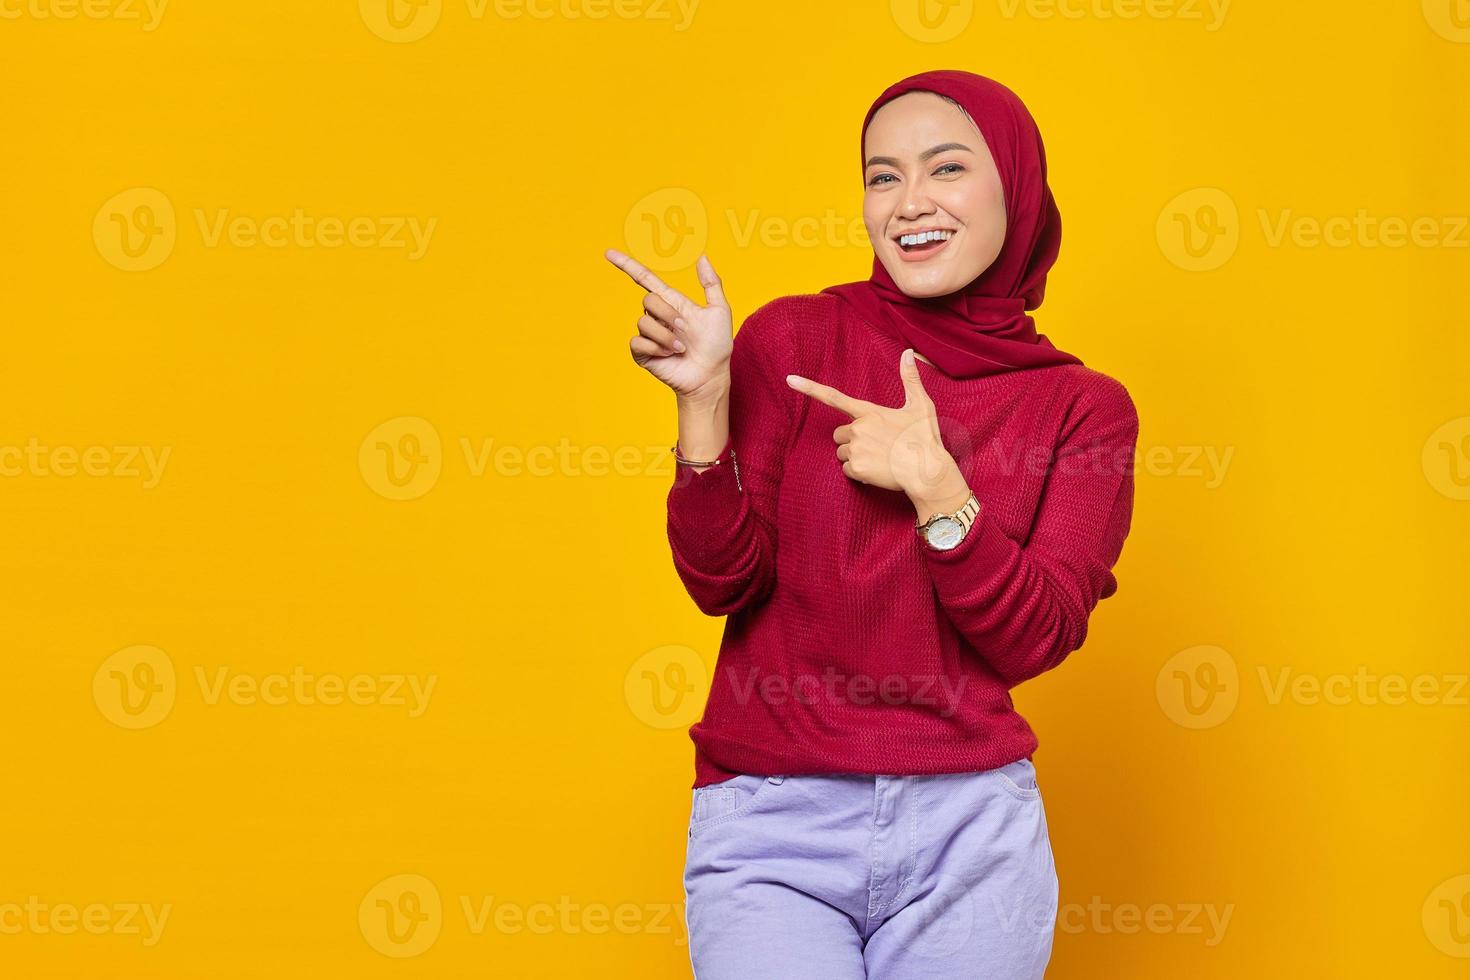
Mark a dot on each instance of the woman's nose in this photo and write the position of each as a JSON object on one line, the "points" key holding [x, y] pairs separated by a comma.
{"points": [[916, 201]]}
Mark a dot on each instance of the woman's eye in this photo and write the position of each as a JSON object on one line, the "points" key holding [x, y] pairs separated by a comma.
{"points": [[944, 170]]}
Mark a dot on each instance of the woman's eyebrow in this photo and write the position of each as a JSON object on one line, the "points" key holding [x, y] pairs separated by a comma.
{"points": [[932, 151]]}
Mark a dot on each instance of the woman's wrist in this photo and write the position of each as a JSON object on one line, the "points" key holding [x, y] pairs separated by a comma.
{"points": [[944, 493], [707, 395], [704, 420]]}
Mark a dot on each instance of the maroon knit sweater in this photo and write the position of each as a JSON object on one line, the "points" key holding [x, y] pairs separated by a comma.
{"points": [[851, 646]]}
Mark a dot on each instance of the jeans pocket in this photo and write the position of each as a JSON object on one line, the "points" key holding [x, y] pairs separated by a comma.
{"points": [[1019, 779], [722, 802]]}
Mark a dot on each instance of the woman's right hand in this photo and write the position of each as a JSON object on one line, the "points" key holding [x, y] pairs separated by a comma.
{"points": [[683, 344]]}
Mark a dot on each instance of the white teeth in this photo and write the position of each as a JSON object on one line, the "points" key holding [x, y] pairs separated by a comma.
{"points": [[927, 236]]}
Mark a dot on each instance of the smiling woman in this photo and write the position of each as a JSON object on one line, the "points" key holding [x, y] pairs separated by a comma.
{"points": [[934, 200], [890, 530]]}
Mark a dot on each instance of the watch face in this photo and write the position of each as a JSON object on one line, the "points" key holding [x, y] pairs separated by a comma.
{"points": [[944, 534]]}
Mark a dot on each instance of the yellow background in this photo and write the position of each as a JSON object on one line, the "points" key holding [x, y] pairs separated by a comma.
{"points": [[535, 587]]}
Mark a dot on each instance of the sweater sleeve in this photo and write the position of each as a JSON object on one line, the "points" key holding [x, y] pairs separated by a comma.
{"points": [[1025, 608], [722, 520]]}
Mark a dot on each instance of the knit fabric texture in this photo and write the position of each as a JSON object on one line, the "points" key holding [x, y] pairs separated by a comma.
{"points": [[851, 646]]}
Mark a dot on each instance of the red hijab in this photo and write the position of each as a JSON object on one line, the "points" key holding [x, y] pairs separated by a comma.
{"points": [[983, 328]]}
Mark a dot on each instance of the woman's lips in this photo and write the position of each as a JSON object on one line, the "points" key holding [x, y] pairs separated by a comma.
{"points": [[920, 253]]}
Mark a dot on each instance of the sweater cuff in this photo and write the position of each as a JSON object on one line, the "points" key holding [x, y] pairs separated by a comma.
{"points": [[704, 509]]}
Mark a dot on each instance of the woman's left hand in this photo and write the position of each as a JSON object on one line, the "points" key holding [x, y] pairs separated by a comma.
{"points": [[894, 448]]}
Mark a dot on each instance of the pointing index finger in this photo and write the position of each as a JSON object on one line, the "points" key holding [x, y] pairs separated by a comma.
{"points": [[828, 395], [645, 278]]}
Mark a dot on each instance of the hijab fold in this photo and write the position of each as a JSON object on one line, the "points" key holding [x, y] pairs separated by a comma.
{"points": [[984, 328]]}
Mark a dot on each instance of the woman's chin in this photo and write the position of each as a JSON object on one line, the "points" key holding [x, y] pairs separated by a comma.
{"points": [[925, 286]]}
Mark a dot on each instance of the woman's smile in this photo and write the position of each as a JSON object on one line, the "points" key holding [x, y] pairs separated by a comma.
{"points": [[920, 246]]}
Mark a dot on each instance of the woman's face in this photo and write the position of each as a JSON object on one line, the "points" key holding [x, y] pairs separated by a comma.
{"points": [[928, 169]]}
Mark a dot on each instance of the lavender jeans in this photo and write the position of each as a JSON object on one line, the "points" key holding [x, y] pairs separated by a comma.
{"points": [[882, 877]]}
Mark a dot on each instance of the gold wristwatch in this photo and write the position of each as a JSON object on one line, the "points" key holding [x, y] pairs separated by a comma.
{"points": [[944, 531]]}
